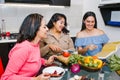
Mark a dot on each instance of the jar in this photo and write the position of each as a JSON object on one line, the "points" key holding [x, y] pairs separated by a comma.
{"points": [[3, 29]]}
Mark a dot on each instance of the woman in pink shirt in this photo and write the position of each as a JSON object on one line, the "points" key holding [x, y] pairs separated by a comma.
{"points": [[24, 58]]}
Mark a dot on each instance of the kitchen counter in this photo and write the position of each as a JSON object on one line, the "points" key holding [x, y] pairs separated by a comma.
{"points": [[8, 41], [11, 39]]}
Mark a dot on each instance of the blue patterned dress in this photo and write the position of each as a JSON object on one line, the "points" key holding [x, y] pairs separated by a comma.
{"points": [[99, 41]]}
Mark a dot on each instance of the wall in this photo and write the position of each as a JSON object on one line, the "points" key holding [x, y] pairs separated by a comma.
{"points": [[111, 31], [14, 15]]}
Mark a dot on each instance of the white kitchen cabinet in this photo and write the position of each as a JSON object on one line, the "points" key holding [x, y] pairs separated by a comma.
{"points": [[109, 1]]}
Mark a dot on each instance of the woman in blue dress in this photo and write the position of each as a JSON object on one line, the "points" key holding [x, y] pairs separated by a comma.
{"points": [[90, 40]]}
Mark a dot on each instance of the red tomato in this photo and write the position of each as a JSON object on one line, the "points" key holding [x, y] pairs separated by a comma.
{"points": [[95, 57], [66, 54]]}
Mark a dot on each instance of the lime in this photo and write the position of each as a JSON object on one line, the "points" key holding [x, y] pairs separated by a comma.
{"points": [[95, 65], [86, 64], [90, 64]]}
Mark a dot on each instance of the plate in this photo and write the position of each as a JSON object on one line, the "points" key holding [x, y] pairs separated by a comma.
{"points": [[52, 69]]}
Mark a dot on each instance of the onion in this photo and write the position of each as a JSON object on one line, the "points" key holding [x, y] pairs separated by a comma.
{"points": [[75, 68]]}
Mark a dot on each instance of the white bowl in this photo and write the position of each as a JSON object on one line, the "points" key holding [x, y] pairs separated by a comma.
{"points": [[51, 70]]}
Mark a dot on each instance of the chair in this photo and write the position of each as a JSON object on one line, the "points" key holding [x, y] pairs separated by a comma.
{"points": [[73, 39], [1, 67]]}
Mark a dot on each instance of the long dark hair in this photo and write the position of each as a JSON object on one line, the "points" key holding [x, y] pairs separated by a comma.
{"points": [[29, 27], [55, 18], [87, 14]]}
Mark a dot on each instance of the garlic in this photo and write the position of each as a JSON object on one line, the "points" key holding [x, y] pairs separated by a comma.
{"points": [[76, 77]]}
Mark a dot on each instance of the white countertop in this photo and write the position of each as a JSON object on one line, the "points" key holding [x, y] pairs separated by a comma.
{"points": [[7, 41]]}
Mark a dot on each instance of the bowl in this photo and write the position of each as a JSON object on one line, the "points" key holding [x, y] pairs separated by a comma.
{"points": [[118, 72], [54, 69], [91, 69]]}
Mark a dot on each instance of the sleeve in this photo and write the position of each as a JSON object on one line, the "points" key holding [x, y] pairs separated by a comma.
{"points": [[44, 48], [105, 39], [43, 61], [79, 42], [16, 61]]}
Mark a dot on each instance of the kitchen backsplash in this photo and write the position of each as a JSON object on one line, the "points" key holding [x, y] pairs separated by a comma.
{"points": [[14, 15]]}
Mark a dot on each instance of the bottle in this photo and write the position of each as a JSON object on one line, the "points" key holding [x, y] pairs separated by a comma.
{"points": [[0, 34], [101, 75], [3, 29], [0, 30]]}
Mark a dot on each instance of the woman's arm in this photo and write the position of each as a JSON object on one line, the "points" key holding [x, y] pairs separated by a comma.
{"points": [[16, 61], [80, 49], [44, 48], [85, 49]]}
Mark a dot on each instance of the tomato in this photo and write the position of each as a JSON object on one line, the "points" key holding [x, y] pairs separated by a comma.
{"points": [[66, 54], [95, 57]]}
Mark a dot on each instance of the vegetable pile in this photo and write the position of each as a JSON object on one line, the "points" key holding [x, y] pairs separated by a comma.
{"points": [[114, 62], [74, 58], [77, 60], [87, 61]]}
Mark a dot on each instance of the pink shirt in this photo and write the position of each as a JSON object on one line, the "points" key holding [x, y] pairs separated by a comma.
{"points": [[24, 62]]}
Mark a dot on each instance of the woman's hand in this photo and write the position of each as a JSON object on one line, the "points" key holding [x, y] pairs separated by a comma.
{"points": [[92, 47], [55, 48], [50, 60], [44, 76]]}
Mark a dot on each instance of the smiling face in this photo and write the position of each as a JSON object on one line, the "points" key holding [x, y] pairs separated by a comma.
{"points": [[90, 22], [59, 25], [43, 30]]}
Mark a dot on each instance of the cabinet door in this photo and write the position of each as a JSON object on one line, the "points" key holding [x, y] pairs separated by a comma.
{"points": [[4, 53], [50, 2], [4, 50]]}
